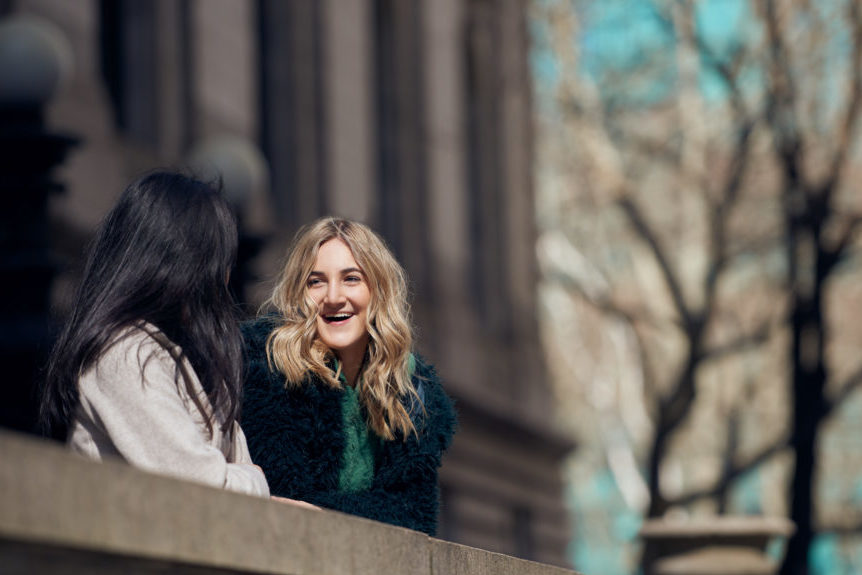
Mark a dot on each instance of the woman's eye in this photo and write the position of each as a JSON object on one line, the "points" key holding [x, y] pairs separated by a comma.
{"points": [[353, 279], [314, 282]]}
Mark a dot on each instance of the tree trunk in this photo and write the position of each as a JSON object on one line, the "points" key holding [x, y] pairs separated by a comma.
{"points": [[809, 379], [657, 504]]}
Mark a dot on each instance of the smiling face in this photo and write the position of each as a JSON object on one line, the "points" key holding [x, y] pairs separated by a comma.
{"points": [[340, 290]]}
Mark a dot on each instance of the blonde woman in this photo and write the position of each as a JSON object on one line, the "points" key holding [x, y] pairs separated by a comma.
{"points": [[337, 410]]}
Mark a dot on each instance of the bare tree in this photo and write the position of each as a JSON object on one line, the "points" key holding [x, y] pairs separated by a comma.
{"points": [[777, 139], [810, 187]]}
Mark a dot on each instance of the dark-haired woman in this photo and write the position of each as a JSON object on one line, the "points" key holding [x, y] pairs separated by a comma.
{"points": [[338, 411], [148, 367]]}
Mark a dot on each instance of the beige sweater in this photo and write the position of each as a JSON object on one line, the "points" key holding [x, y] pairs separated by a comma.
{"points": [[132, 408]]}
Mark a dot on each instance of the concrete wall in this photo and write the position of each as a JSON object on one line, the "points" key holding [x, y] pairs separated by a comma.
{"points": [[60, 513]]}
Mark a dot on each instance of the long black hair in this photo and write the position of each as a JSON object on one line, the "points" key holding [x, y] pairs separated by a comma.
{"points": [[162, 255]]}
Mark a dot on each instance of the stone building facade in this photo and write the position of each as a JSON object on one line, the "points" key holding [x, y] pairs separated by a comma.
{"points": [[410, 115]]}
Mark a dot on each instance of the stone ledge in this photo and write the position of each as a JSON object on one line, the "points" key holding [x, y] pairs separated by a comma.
{"points": [[717, 561], [60, 510]]}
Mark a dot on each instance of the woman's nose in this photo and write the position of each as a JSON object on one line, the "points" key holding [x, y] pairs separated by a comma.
{"points": [[334, 294]]}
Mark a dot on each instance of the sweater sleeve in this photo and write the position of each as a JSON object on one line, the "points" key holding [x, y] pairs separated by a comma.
{"points": [[252, 481], [132, 395]]}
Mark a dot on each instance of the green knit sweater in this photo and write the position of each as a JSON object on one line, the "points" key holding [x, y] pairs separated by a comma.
{"points": [[360, 442], [360, 445]]}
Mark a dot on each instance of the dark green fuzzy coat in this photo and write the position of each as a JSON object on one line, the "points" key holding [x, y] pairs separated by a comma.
{"points": [[295, 434]]}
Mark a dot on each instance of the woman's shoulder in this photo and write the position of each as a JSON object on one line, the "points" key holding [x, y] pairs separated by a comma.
{"points": [[139, 341], [260, 374], [257, 330], [437, 403], [132, 352], [423, 373], [255, 333]]}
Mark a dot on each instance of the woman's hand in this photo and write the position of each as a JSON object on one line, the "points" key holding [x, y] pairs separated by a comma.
{"points": [[295, 502]]}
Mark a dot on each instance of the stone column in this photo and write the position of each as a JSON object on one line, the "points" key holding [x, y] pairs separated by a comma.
{"points": [[455, 349], [516, 184], [224, 68], [348, 108]]}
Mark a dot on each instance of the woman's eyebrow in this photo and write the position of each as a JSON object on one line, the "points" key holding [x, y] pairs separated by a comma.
{"points": [[342, 272]]}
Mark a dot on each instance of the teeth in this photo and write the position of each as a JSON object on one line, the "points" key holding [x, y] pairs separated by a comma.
{"points": [[337, 317]]}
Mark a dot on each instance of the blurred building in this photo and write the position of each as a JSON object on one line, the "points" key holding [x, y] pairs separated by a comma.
{"points": [[410, 115]]}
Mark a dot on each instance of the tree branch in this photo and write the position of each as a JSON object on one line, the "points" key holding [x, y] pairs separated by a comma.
{"points": [[721, 214], [646, 234], [734, 473], [742, 343], [850, 385], [780, 97], [733, 183], [847, 126], [726, 72], [834, 254], [604, 304]]}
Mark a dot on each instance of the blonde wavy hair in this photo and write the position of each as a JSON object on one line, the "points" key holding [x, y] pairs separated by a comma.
{"points": [[295, 349]]}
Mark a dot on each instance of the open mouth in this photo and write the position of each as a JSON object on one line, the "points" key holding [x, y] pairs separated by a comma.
{"points": [[338, 317]]}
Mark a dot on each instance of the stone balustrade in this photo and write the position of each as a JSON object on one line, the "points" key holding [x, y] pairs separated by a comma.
{"points": [[62, 513]]}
